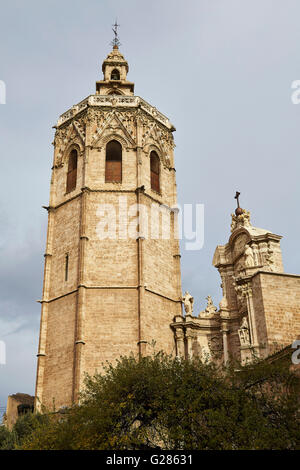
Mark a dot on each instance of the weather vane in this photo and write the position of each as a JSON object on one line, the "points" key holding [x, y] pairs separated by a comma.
{"points": [[115, 41]]}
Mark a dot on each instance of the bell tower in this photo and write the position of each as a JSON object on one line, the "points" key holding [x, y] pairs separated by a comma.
{"points": [[115, 69], [112, 280]]}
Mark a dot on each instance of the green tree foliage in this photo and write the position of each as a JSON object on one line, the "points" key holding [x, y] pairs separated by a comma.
{"points": [[23, 428], [163, 403], [7, 439]]}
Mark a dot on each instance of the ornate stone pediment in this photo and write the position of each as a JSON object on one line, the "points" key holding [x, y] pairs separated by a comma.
{"points": [[66, 137], [153, 133], [113, 124]]}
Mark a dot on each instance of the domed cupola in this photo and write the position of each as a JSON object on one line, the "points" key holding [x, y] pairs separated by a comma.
{"points": [[115, 69]]}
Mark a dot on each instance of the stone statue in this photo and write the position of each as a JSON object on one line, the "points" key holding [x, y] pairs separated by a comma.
{"points": [[255, 253], [244, 332], [211, 309], [210, 305], [249, 258], [188, 302]]}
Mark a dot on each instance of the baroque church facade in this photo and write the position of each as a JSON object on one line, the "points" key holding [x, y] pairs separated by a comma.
{"points": [[104, 297], [259, 313]]}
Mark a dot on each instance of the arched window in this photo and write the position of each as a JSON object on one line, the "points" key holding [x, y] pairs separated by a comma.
{"points": [[114, 92], [115, 75], [113, 164], [72, 171], [154, 171]]}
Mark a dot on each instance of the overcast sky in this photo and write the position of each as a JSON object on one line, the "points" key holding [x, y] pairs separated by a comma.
{"points": [[221, 70]]}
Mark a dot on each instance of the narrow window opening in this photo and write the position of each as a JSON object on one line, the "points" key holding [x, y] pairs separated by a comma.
{"points": [[154, 171], [115, 75], [66, 267], [115, 92], [72, 171], [113, 164]]}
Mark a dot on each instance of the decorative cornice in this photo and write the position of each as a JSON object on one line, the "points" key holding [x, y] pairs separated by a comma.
{"points": [[119, 101], [197, 323]]}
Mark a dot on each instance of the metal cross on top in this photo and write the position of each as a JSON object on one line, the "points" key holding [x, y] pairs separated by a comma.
{"points": [[115, 41], [237, 195]]}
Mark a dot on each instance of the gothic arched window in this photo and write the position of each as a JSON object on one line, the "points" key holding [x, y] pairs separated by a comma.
{"points": [[113, 163], [114, 92], [115, 75], [72, 171], [154, 171]]}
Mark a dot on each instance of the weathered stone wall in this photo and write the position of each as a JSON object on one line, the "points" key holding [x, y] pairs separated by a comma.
{"points": [[280, 307], [111, 326], [119, 291], [259, 314], [58, 373], [65, 241]]}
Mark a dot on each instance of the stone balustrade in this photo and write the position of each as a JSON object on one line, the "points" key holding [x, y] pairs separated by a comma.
{"points": [[114, 101]]}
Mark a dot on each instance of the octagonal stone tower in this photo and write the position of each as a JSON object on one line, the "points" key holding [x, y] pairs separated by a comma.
{"points": [[112, 281]]}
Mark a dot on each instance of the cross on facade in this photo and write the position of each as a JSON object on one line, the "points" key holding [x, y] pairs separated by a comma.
{"points": [[237, 195]]}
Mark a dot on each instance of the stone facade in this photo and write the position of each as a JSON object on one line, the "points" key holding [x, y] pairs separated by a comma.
{"points": [[106, 297], [259, 312]]}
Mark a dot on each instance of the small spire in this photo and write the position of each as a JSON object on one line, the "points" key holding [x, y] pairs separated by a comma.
{"points": [[115, 42]]}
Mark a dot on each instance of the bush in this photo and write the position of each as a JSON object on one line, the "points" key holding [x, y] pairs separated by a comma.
{"points": [[23, 428], [162, 402]]}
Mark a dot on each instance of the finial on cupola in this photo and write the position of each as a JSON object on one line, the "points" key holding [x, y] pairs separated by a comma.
{"points": [[238, 210], [115, 42]]}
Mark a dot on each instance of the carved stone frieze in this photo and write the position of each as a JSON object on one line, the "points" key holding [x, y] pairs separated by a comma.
{"points": [[243, 290], [215, 344], [116, 123], [65, 138]]}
